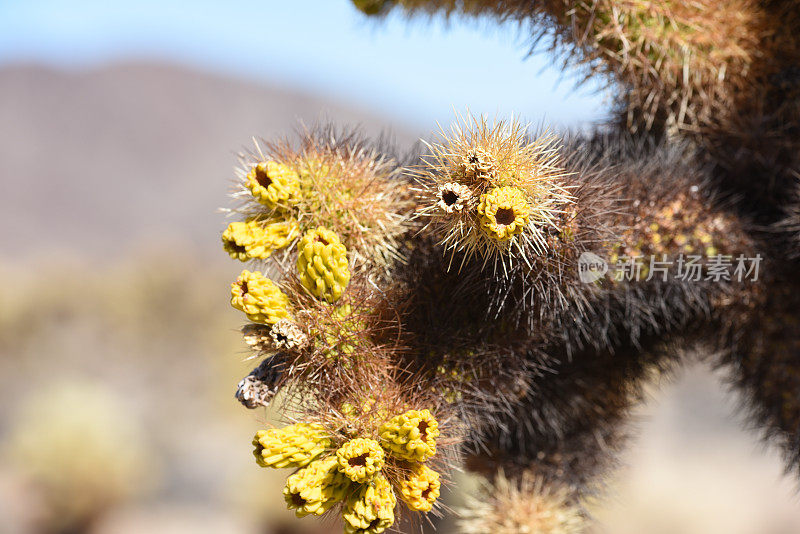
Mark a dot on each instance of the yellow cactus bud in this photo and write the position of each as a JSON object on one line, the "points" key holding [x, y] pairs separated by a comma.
{"points": [[291, 446], [360, 458], [274, 184], [257, 239], [421, 488], [316, 488], [504, 212], [411, 436], [259, 298], [370, 510], [322, 264]]}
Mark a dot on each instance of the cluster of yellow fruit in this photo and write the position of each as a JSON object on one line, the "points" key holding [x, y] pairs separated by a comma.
{"points": [[322, 258], [322, 270], [276, 186], [354, 473], [366, 470]]}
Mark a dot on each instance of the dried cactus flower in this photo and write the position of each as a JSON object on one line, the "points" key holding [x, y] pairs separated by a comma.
{"points": [[261, 385], [274, 184], [411, 435], [370, 510], [503, 212], [259, 298], [295, 445], [287, 335], [478, 164], [315, 489], [498, 164], [322, 264], [360, 459], [527, 505], [453, 197], [257, 337], [420, 488]]}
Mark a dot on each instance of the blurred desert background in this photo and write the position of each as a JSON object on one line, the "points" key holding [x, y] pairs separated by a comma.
{"points": [[119, 355]]}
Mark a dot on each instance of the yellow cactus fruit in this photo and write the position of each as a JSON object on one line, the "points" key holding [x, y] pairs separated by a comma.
{"points": [[360, 459], [322, 264], [235, 240], [421, 488], [259, 298], [272, 236], [316, 488], [503, 212], [257, 239], [411, 436], [370, 510], [274, 184], [291, 446]]}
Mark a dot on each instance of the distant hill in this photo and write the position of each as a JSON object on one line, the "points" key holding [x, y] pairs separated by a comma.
{"points": [[92, 162]]}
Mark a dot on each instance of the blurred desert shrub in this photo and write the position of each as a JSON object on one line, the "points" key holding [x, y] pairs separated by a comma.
{"points": [[152, 317], [81, 452], [152, 331]]}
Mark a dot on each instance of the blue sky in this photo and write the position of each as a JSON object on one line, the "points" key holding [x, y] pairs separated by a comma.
{"points": [[414, 72]]}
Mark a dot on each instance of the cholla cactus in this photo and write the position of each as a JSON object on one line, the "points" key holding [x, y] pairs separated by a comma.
{"points": [[396, 368], [721, 74]]}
